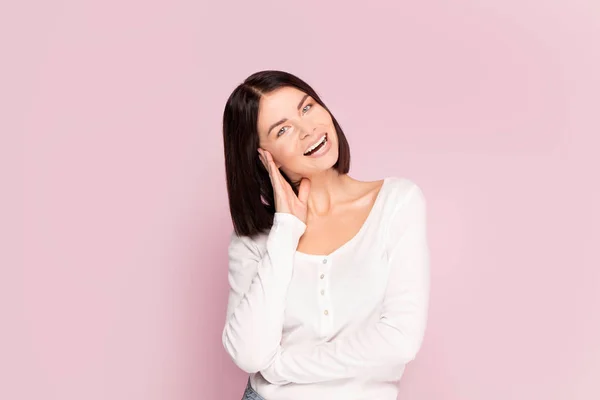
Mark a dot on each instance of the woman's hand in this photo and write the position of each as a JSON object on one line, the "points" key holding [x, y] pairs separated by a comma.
{"points": [[286, 200]]}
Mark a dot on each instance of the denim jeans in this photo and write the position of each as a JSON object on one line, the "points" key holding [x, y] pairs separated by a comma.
{"points": [[250, 394]]}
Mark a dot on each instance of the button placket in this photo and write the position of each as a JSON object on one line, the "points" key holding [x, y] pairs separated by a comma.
{"points": [[324, 299]]}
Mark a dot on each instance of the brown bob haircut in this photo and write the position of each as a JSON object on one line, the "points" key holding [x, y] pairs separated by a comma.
{"points": [[251, 197]]}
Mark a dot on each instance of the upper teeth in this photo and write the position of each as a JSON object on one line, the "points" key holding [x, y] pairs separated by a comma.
{"points": [[314, 146]]}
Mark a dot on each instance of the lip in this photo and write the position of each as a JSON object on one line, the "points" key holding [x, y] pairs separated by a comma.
{"points": [[315, 142], [323, 151]]}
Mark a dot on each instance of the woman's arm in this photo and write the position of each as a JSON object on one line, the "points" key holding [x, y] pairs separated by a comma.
{"points": [[396, 337], [258, 286]]}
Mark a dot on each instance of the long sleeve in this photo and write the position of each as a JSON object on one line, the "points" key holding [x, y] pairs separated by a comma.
{"points": [[258, 286], [396, 337]]}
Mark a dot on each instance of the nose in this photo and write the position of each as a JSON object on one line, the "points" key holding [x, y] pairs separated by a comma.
{"points": [[306, 129]]}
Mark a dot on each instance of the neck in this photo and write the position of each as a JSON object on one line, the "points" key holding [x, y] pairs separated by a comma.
{"points": [[326, 190]]}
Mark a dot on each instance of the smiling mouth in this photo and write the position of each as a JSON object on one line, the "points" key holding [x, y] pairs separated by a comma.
{"points": [[319, 145]]}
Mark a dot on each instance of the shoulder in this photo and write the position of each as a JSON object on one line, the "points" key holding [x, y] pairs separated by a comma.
{"points": [[405, 210], [246, 246], [401, 191]]}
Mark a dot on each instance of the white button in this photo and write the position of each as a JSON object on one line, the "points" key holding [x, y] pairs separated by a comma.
{"points": [[326, 312], [324, 261], [322, 276], [322, 291]]}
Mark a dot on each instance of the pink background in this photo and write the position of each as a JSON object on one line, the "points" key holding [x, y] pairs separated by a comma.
{"points": [[116, 225]]}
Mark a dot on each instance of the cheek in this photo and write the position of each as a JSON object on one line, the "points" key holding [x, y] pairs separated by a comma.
{"points": [[285, 154], [324, 117]]}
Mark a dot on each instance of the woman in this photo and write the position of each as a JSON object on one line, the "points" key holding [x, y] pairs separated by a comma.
{"points": [[328, 275]]}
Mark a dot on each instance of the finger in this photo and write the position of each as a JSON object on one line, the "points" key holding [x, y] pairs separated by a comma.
{"points": [[304, 190], [261, 157], [265, 158], [271, 162], [274, 173], [281, 184], [267, 164]]}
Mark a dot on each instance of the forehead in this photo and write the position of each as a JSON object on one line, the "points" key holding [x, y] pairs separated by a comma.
{"points": [[282, 98], [280, 103]]}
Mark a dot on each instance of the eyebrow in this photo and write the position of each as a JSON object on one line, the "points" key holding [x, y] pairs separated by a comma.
{"points": [[284, 119]]}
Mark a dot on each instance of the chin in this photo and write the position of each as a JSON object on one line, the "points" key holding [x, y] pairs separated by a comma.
{"points": [[322, 165]]}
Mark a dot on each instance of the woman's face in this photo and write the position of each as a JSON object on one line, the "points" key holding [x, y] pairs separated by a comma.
{"points": [[290, 124]]}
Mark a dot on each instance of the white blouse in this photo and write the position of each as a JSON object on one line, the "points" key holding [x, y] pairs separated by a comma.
{"points": [[334, 326]]}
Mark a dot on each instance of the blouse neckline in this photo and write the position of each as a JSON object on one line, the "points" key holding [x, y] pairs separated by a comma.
{"points": [[362, 228]]}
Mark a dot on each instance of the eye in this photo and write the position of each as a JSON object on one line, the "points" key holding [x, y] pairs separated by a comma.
{"points": [[304, 111], [279, 133]]}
